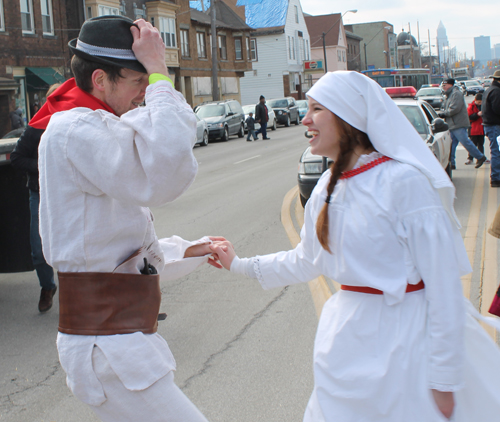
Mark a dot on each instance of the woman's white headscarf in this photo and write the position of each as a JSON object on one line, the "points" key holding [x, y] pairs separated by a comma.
{"points": [[361, 102]]}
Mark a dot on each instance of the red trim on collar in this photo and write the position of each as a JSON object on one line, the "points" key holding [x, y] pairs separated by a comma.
{"points": [[365, 167]]}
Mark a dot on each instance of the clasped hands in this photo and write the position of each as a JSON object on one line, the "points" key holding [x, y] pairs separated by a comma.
{"points": [[221, 250]]}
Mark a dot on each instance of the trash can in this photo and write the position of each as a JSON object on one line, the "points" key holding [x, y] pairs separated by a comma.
{"points": [[15, 249]]}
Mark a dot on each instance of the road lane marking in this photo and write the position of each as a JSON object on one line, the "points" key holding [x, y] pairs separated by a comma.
{"points": [[319, 287], [489, 266], [246, 159], [470, 238]]}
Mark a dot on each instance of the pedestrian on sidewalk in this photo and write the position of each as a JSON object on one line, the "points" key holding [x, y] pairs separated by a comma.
{"points": [[262, 117], [250, 121], [455, 112], [491, 123], [390, 344], [103, 160], [476, 125], [25, 158]]}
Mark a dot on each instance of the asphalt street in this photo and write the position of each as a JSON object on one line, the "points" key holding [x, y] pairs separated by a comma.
{"points": [[243, 354]]}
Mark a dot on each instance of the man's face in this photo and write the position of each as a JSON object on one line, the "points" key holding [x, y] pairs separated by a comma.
{"points": [[127, 92], [446, 86]]}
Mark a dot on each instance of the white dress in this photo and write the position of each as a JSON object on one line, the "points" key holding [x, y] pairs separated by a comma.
{"points": [[376, 357]]}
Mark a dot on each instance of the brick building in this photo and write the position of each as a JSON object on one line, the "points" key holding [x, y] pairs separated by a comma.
{"points": [[33, 56]]}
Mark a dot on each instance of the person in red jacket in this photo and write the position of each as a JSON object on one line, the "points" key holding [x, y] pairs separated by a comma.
{"points": [[476, 122]]}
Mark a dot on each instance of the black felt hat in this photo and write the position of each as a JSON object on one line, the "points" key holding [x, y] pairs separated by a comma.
{"points": [[107, 40]]}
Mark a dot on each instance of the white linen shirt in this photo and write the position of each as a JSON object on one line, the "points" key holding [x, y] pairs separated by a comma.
{"points": [[98, 175], [384, 238]]}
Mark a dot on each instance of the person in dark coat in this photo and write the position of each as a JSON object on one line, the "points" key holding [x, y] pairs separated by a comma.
{"points": [[25, 158], [491, 123], [262, 117], [476, 125], [16, 119], [250, 121]]}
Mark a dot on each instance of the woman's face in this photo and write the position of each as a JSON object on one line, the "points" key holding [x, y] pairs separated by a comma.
{"points": [[322, 124]]}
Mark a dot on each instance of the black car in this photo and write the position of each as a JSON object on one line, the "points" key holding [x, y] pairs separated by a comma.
{"points": [[311, 167], [433, 96], [472, 87], [224, 118], [286, 110]]}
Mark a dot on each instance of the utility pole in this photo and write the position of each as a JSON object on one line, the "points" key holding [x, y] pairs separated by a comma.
{"points": [[324, 51], [215, 77], [366, 61]]}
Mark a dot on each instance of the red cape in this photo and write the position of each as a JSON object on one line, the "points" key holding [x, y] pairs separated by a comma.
{"points": [[66, 97]]}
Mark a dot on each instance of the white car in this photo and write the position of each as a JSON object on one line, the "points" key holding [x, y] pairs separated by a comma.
{"points": [[271, 124], [201, 132]]}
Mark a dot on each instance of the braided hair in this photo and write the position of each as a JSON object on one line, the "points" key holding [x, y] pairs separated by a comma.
{"points": [[349, 139]]}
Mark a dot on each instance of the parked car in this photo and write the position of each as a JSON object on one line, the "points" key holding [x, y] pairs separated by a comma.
{"points": [[472, 87], [433, 130], [434, 96], [271, 124], [224, 118], [201, 132], [303, 106], [286, 110], [16, 133]]}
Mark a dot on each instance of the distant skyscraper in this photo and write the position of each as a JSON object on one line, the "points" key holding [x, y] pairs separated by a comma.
{"points": [[496, 51], [482, 48], [442, 40]]}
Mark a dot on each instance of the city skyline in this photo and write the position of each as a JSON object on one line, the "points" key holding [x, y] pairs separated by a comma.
{"points": [[463, 20]]}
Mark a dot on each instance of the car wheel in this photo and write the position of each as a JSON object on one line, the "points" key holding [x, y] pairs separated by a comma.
{"points": [[303, 201], [204, 142], [297, 120], [225, 137], [287, 123], [273, 127], [241, 133]]}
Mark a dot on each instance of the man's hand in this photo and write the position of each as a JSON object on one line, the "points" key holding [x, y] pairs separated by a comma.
{"points": [[204, 249], [148, 47], [444, 401]]}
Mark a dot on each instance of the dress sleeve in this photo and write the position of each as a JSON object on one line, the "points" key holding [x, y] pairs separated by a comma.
{"points": [[144, 157], [438, 253]]}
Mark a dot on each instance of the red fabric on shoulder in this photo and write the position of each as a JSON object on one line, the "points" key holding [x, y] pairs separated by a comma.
{"points": [[66, 97]]}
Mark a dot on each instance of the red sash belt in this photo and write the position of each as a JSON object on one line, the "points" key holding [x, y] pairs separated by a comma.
{"points": [[409, 288]]}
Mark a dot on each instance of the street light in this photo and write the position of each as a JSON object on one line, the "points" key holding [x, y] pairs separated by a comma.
{"points": [[324, 35]]}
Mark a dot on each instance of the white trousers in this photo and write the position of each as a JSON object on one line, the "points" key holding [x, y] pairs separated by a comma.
{"points": [[161, 402]]}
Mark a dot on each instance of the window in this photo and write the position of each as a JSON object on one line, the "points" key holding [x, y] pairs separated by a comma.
{"points": [[253, 49], [222, 47], [167, 31], [200, 45], [307, 49], [289, 48], [185, 43], [106, 10], [296, 14], [2, 21], [27, 16], [293, 48], [47, 22], [237, 49], [248, 47], [89, 13]]}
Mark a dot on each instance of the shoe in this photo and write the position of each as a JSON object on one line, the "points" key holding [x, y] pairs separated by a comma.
{"points": [[267, 139], [249, 140], [495, 184], [453, 167], [480, 162], [45, 302], [469, 161]]}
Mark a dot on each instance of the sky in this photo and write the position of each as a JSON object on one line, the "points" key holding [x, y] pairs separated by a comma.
{"points": [[463, 19]]}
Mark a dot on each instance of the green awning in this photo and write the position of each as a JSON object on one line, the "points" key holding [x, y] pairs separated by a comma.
{"points": [[41, 78]]}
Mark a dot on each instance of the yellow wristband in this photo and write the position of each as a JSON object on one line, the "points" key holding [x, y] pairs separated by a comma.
{"points": [[155, 77]]}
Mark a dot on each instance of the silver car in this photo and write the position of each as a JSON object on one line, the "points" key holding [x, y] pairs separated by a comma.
{"points": [[201, 132]]}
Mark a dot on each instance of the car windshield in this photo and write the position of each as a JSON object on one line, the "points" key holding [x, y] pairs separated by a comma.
{"points": [[302, 103], [249, 109], [277, 103], [471, 83], [211, 111], [416, 118], [425, 92]]}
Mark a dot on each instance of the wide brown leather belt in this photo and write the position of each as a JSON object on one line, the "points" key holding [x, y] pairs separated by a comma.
{"points": [[108, 303], [409, 288]]}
